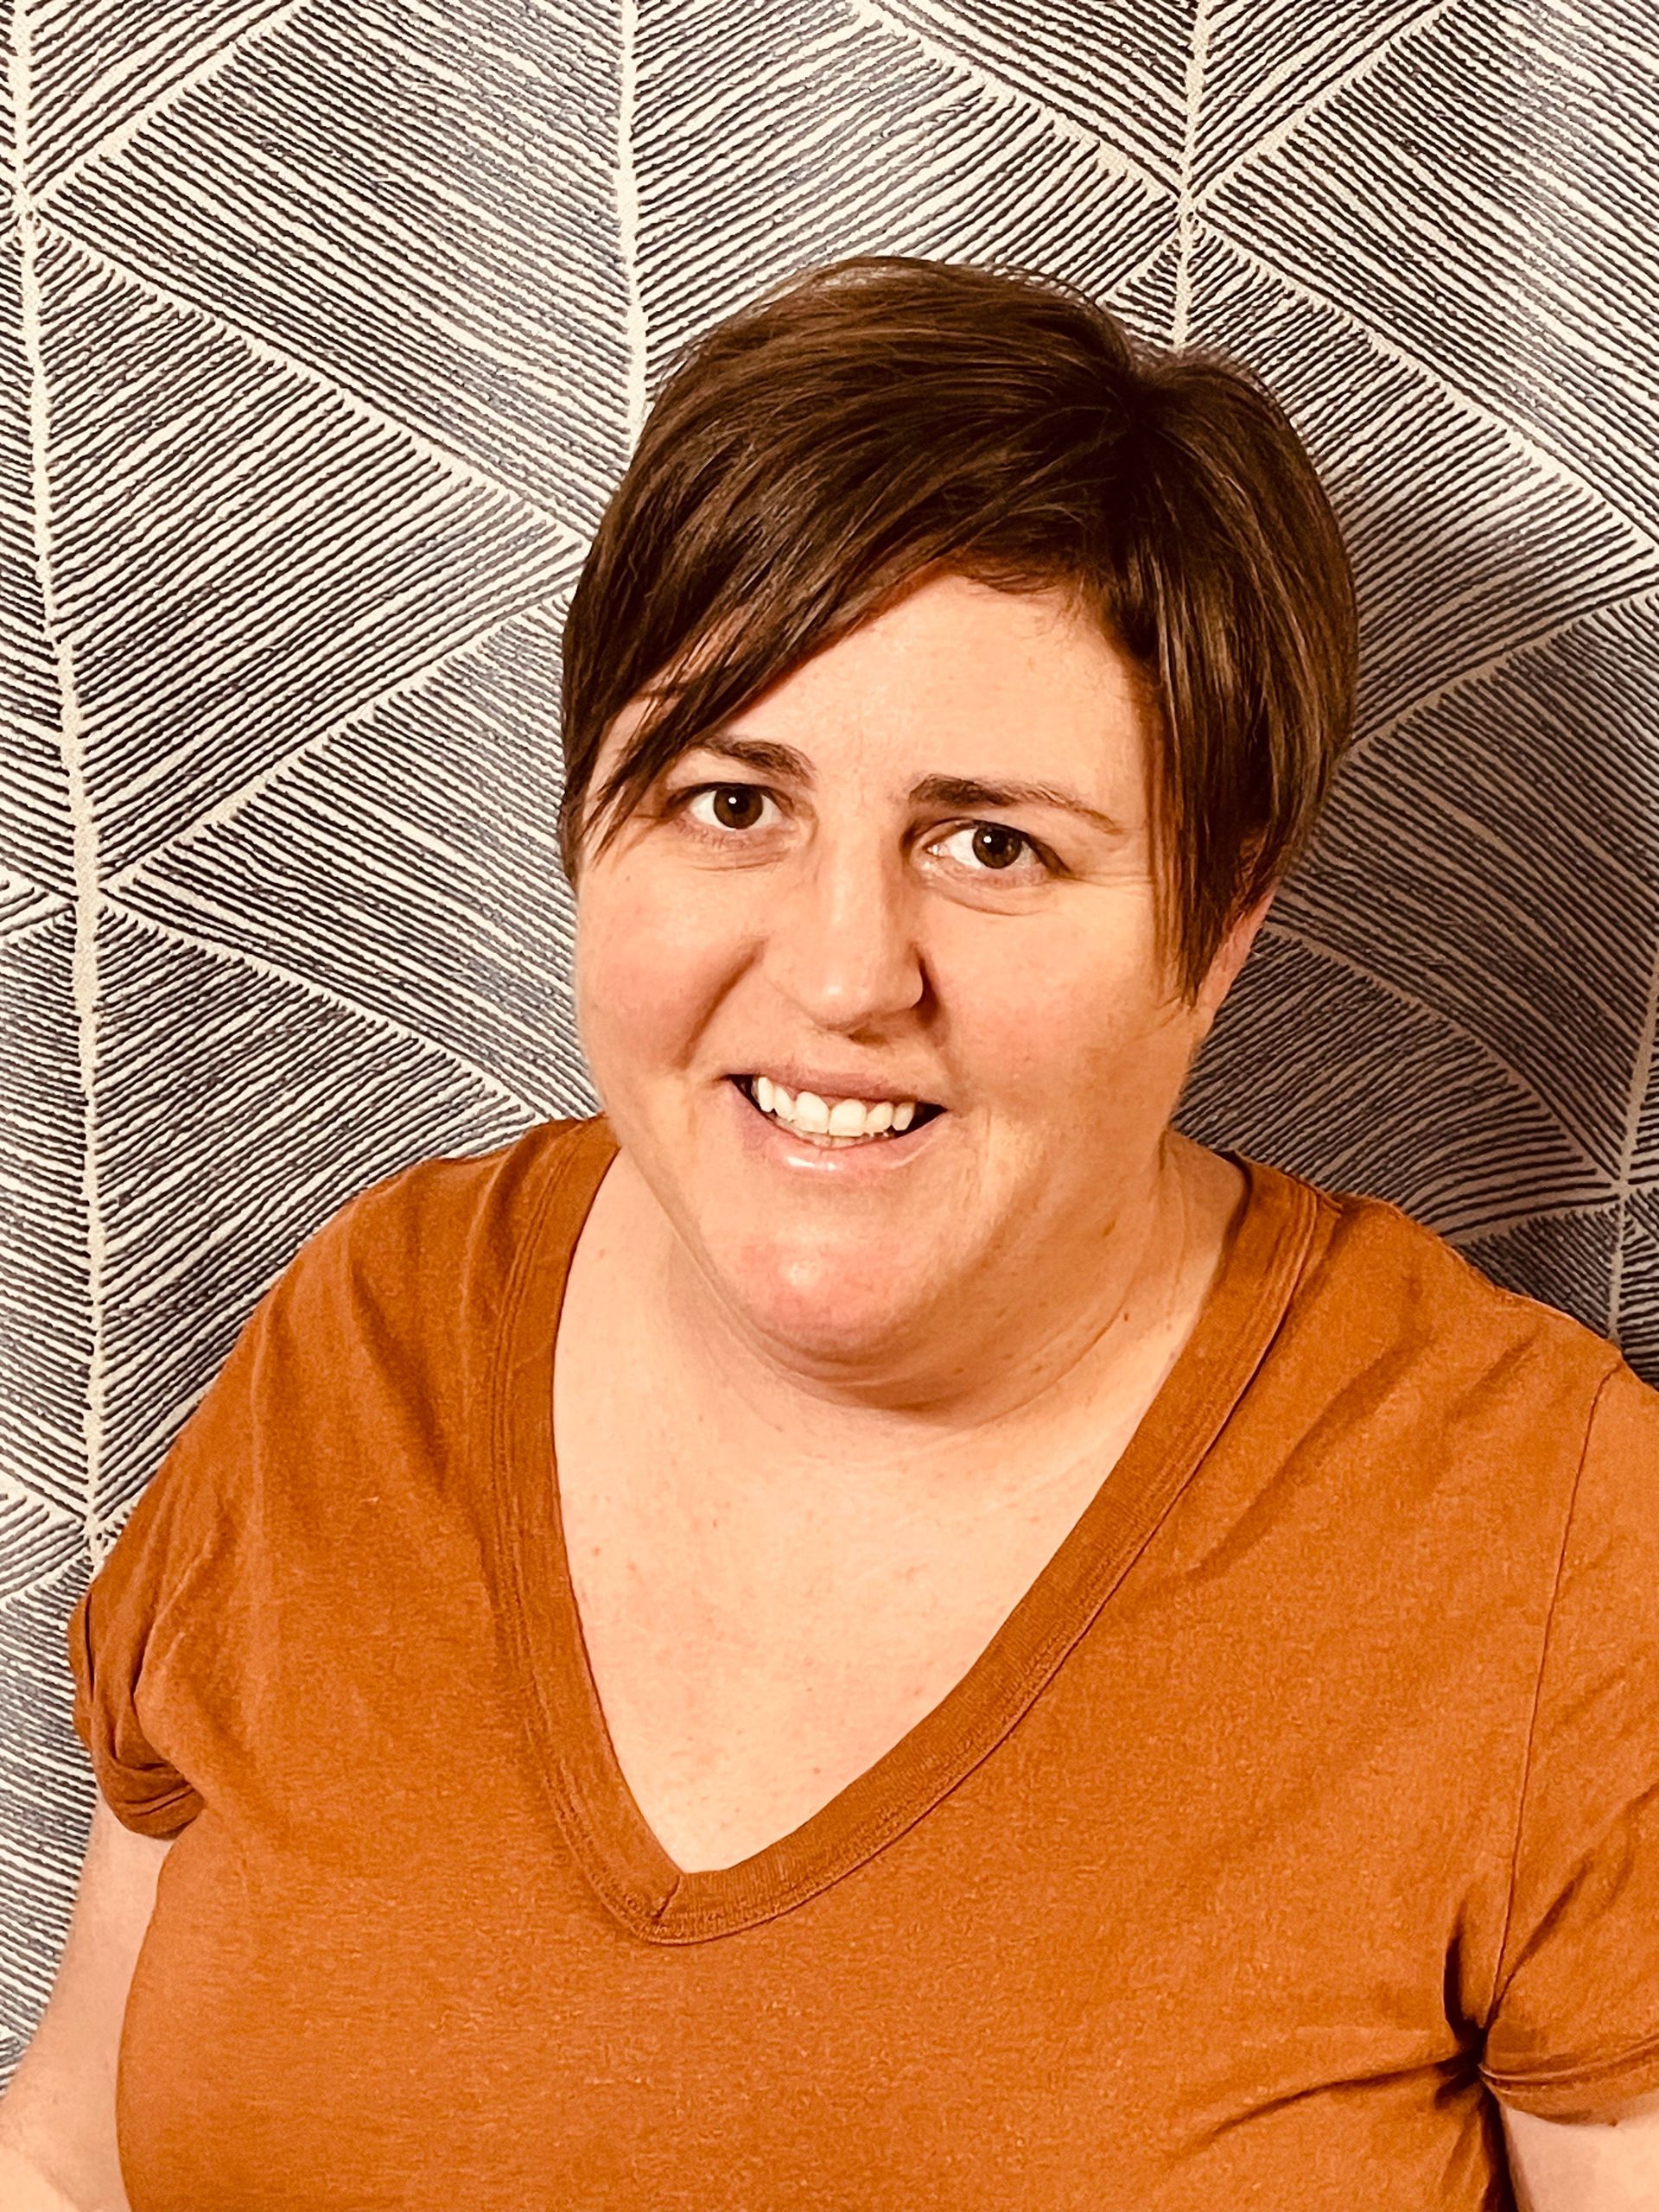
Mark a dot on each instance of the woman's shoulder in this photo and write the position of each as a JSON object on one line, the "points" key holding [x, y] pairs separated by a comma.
{"points": [[445, 1230], [1379, 1281], [370, 1352]]}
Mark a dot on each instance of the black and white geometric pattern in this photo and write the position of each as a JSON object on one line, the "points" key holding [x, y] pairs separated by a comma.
{"points": [[326, 326]]}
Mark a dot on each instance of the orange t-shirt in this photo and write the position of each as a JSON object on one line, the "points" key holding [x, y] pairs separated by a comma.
{"points": [[1309, 1797]]}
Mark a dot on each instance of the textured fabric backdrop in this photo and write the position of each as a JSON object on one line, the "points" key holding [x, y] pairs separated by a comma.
{"points": [[325, 328]]}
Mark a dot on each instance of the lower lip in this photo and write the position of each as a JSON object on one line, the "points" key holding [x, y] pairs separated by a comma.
{"points": [[767, 1140]]}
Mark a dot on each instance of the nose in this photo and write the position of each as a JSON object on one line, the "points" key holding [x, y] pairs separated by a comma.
{"points": [[841, 932]]}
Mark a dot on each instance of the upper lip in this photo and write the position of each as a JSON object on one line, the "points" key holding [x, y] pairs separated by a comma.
{"points": [[830, 1082]]}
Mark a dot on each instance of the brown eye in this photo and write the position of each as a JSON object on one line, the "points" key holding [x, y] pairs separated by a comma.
{"points": [[731, 808], [995, 846], [736, 806]]}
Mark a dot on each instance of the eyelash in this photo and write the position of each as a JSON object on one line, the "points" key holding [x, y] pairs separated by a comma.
{"points": [[678, 801]]}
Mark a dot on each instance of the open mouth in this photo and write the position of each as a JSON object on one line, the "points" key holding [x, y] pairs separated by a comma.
{"points": [[925, 1111]]}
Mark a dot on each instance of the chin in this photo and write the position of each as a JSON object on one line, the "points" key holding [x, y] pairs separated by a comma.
{"points": [[814, 1304]]}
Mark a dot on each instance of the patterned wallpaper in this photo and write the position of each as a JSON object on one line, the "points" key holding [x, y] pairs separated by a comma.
{"points": [[325, 329]]}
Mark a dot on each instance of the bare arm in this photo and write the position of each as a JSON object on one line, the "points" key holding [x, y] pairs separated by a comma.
{"points": [[1610, 2165], [57, 2120], [24, 2187]]}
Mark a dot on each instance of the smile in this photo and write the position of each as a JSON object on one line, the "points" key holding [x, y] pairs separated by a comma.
{"points": [[838, 1125]]}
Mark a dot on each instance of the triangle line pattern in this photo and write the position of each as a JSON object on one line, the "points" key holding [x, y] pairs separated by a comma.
{"points": [[1642, 58], [1186, 214], [225, 810], [627, 222], [1443, 1018], [202, 65], [375, 1017], [1617, 364], [373, 212], [71, 744], [47, 1581], [52, 905], [1410, 783], [1528, 449], [1495, 663], [1642, 1065], [1411, 19], [1124, 286], [457, 464], [1112, 160], [19, 1494], [1566, 1209]]}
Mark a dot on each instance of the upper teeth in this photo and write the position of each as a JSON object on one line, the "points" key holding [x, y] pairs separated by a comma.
{"points": [[836, 1117]]}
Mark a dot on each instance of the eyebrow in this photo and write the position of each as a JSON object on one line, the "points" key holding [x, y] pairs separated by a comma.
{"points": [[783, 761]]}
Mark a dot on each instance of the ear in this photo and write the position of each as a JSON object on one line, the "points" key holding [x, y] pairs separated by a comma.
{"points": [[1231, 954]]}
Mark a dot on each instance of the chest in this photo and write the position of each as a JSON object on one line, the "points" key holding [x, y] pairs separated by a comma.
{"points": [[760, 1636], [750, 1668]]}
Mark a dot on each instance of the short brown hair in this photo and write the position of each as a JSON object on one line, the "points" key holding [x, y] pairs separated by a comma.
{"points": [[884, 416]]}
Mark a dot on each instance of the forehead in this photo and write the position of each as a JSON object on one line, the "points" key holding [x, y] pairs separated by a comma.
{"points": [[975, 678]]}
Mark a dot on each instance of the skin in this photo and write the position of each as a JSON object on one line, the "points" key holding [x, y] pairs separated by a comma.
{"points": [[944, 1330]]}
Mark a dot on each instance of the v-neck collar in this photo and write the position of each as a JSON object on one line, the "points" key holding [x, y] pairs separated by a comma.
{"points": [[626, 1866]]}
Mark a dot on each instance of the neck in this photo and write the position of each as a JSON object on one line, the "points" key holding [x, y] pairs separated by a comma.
{"points": [[1020, 1393]]}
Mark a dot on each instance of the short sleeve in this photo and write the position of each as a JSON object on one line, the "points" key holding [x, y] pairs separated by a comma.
{"points": [[113, 1636], [123, 1632], [1574, 2030], [361, 1356]]}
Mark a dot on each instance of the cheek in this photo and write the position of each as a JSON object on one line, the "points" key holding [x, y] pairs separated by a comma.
{"points": [[651, 962], [1062, 1010]]}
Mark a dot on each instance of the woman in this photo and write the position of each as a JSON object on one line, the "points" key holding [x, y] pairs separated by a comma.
{"points": [[874, 1626]]}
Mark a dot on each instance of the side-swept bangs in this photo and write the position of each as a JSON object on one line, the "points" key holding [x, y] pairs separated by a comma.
{"points": [[883, 418]]}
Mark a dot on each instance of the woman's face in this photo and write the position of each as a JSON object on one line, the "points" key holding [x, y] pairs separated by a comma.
{"points": [[842, 909]]}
